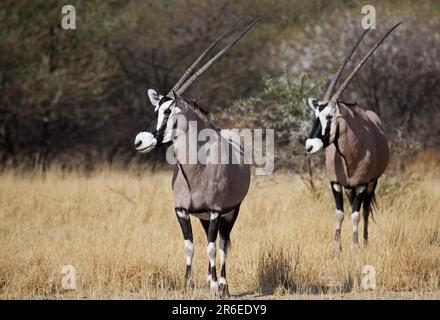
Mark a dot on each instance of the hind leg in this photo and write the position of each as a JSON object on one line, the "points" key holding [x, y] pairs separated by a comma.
{"points": [[358, 199], [213, 229], [369, 196], [226, 223], [205, 225]]}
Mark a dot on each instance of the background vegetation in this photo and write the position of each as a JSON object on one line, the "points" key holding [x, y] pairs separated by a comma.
{"points": [[78, 97]]}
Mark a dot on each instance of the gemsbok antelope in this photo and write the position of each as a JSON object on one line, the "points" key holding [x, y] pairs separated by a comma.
{"points": [[356, 149], [211, 191]]}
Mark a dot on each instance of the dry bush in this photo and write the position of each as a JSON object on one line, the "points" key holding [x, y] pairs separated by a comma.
{"points": [[281, 270], [275, 269]]}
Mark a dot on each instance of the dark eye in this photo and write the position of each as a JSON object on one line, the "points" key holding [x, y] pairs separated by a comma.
{"points": [[328, 117]]}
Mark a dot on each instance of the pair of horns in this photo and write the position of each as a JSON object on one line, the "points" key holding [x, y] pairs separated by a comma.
{"points": [[347, 81], [183, 83]]}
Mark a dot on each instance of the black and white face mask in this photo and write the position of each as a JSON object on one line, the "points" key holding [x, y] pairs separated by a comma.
{"points": [[324, 127], [160, 129]]}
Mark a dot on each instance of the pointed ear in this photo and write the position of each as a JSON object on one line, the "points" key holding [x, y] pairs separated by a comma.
{"points": [[153, 96], [312, 103], [180, 105]]}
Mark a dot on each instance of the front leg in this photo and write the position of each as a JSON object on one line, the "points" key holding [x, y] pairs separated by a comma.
{"points": [[214, 224], [185, 225], [205, 225], [339, 216]]}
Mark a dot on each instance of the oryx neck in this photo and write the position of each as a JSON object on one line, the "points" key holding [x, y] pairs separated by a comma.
{"points": [[187, 127], [347, 141]]}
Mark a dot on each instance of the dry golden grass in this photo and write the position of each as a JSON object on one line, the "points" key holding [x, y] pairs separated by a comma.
{"points": [[118, 229]]}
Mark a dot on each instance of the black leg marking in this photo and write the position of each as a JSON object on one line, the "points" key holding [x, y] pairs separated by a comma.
{"points": [[205, 225], [214, 224], [223, 246], [357, 202], [339, 216], [226, 225], [188, 273], [339, 200], [368, 201], [185, 225], [351, 194], [359, 195]]}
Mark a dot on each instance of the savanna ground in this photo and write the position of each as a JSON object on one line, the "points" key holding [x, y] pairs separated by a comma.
{"points": [[118, 229]]}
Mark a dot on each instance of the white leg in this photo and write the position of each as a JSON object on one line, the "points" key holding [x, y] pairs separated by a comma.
{"points": [[211, 250], [355, 218], [222, 282], [188, 249], [222, 254], [339, 216], [214, 223], [189, 252]]}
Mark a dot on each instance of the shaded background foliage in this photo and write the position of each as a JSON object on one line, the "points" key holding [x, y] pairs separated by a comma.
{"points": [[78, 97]]}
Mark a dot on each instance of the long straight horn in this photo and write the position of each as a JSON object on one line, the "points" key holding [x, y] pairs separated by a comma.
{"points": [[338, 73], [216, 57], [204, 53], [359, 66]]}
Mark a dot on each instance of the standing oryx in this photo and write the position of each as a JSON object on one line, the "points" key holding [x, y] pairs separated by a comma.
{"points": [[356, 151], [211, 191]]}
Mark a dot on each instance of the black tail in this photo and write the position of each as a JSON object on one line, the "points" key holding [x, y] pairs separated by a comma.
{"points": [[373, 206], [370, 203]]}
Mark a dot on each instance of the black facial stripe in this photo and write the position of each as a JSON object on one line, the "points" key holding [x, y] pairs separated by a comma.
{"points": [[152, 127], [322, 107], [164, 99], [316, 130], [326, 137], [163, 126]]}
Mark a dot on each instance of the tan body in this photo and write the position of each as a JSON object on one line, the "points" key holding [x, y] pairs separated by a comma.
{"points": [[205, 182], [204, 188], [360, 153], [356, 149], [211, 190]]}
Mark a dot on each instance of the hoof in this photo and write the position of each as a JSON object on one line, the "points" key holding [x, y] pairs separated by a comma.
{"points": [[189, 284], [223, 290], [214, 288], [208, 281], [355, 247]]}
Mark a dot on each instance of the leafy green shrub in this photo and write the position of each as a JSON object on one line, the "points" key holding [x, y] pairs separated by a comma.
{"points": [[281, 106]]}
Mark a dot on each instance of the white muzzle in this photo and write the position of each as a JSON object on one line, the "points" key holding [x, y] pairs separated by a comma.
{"points": [[144, 142], [313, 145]]}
